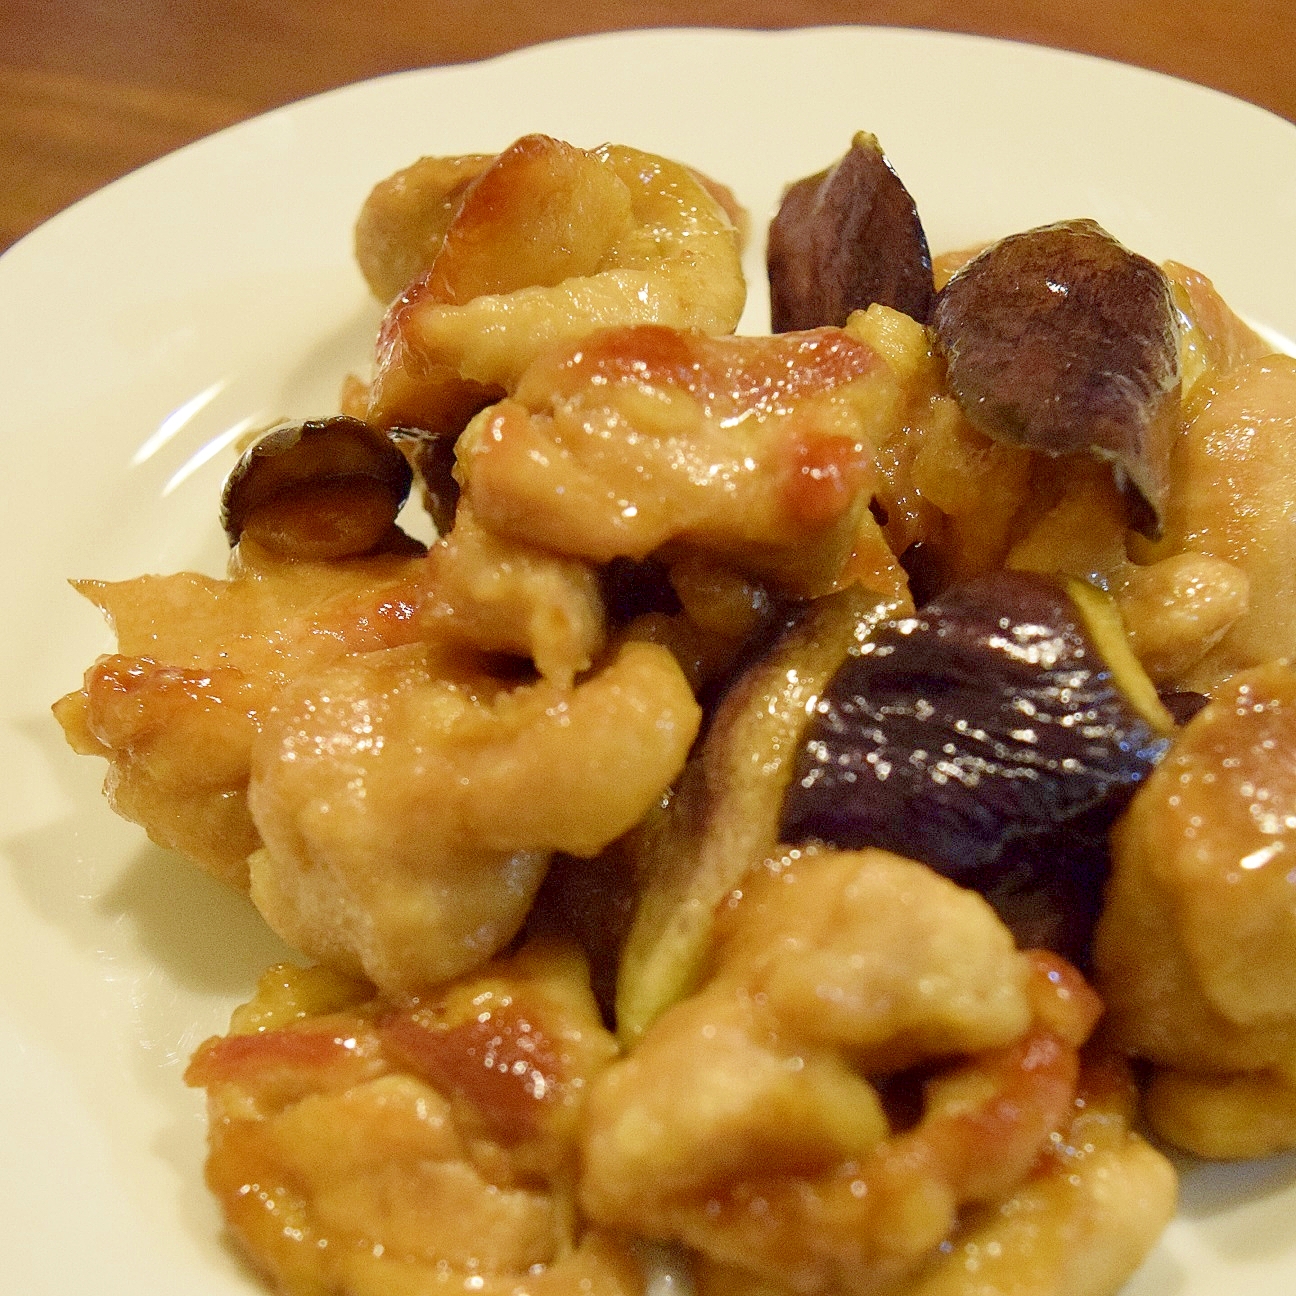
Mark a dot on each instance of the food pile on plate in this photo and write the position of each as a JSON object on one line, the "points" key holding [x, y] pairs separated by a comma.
{"points": [[820, 796]]}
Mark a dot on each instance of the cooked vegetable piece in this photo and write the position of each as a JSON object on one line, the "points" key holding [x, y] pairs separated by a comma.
{"points": [[1048, 890], [318, 490], [722, 818], [844, 239], [994, 736], [1062, 340], [432, 458], [1183, 704]]}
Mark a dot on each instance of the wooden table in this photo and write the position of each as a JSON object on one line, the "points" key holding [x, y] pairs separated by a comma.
{"points": [[90, 89]]}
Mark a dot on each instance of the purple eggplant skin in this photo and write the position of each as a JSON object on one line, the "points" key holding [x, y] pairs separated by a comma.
{"points": [[1064, 341], [1183, 704], [432, 458], [988, 737], [844, 239]]}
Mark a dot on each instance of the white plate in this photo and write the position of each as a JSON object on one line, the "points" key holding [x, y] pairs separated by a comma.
{"points": [[143, 328]]}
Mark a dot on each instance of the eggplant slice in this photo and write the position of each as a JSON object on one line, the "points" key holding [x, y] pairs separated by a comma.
{"points": [[318, 490], [844, 239], [1062, 340], [722, 818], [994, 736]]}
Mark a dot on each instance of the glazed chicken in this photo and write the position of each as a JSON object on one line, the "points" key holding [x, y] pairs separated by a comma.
{"points": [[198, 666], [1196, 952], [382, 1150], [546, 243], [291, 676], [834, 971]]}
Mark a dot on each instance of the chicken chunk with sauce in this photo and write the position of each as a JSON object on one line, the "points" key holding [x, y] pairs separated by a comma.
{"points": [[1082, 1220], [546, 243], [199, 666], [288, 726], [1196, 948], [409, 813], [837, 974], [381, 1148], [773, 455]]}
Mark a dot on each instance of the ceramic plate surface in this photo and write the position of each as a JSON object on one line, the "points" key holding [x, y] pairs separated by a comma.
{"points": [[144, 329]]}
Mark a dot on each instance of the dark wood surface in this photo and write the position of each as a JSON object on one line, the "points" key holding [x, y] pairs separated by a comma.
{"points": [[90, 89]]}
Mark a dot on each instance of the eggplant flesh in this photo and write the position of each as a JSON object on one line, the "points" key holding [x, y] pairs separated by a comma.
{"points": [[723, 816], [990, 737]]}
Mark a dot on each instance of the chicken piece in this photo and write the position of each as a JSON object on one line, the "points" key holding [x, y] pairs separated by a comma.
{"points": [[319, 611], [1213, 341], [1195, 952], [932, 446], [877, 956], [784, 1162], [1233, 498], [497, 596], [234, 707], [1176, 610], [1083, 1220], [1079, 1225], [487, 595], [408, 815], [1224, 1117], [200, 664], [978, 485], [382, 1149], [760, 452], [403, 222], [547, 243]]}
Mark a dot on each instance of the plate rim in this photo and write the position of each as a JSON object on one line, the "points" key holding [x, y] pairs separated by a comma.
{"points": [[76, 211], [546, 48]]}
